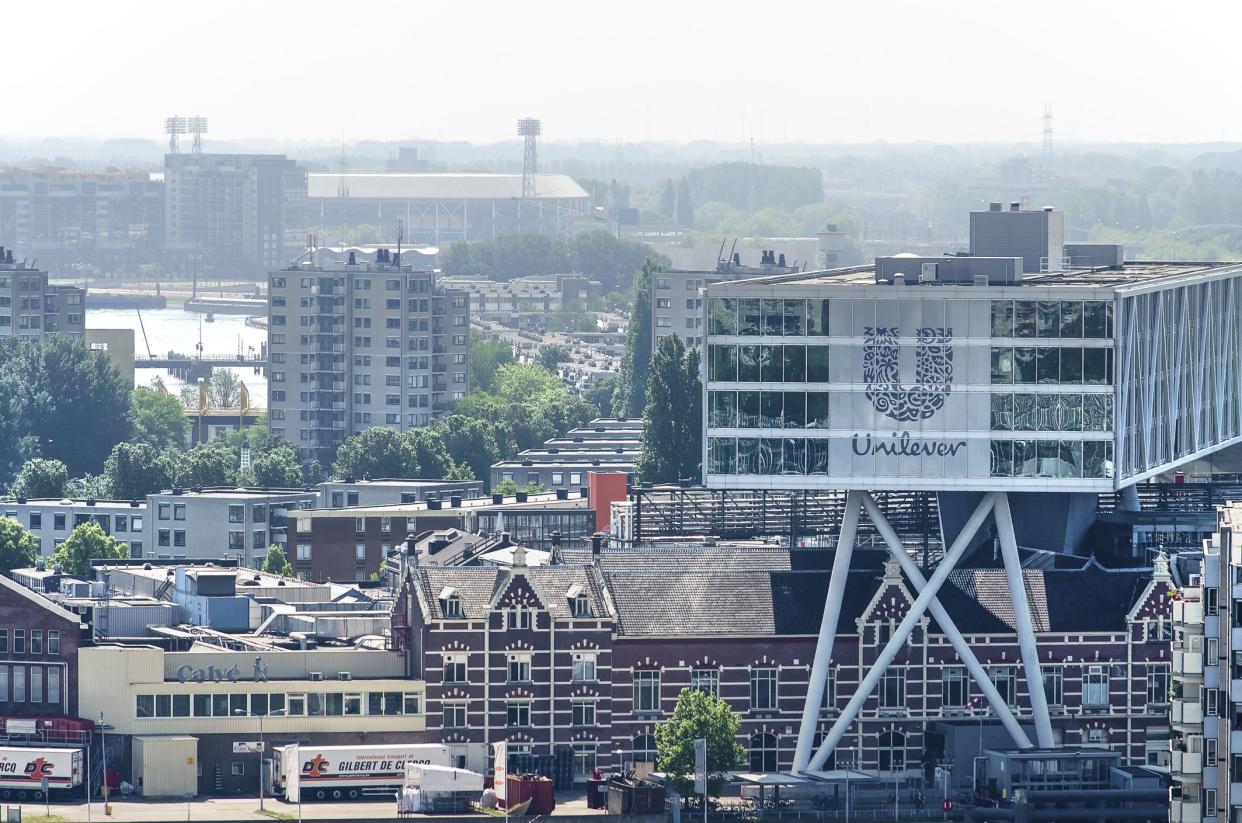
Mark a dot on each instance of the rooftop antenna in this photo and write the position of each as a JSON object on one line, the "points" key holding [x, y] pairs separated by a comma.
{"points": [[529, 128], [1048, 153], [198, 127], [174, 126], [342, 191], [400, 236]]}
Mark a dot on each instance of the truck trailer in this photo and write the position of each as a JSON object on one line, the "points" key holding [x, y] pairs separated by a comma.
{"points": [[26, 771], [309, 772]]}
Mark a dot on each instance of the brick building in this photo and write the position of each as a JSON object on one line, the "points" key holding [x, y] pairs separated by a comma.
{"points": [[742, 622], [38, 654]]}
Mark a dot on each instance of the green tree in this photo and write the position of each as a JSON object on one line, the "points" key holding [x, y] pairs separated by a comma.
{"points": [[69, 399], [41, 478], [223, 391], [599, 393], [486, 356], [699, 714], [207, 464], [85, 543], [668, 200], [685, 204], [135, 470], [552, 355], [630, 397], [278, 467], [431, 456], [158, 419], [18, 548], [672, 421], [376, 452], [472, 442], [509, 488], [276, 562], [89, 487]]}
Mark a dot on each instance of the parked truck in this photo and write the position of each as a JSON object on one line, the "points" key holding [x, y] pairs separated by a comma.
{"points": [[26, 771], [309, 772]]}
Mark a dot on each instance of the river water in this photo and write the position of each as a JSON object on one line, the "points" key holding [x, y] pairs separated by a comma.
{"points": [[180, 331]]}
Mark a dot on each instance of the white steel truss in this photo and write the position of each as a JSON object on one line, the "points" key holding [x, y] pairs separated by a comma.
{"points": [[992, 503]]}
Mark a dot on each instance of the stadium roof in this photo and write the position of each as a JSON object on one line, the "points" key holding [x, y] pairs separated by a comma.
{"points": [[395, 186]]}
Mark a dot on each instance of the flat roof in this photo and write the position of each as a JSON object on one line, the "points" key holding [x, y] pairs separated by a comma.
{"points": [[543, 500], [390, 481], [1133, 272], [217, 491], [412, 186], [81, 503]]}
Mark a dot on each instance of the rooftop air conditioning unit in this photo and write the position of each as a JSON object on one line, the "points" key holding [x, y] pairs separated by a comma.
{"points": [[316, 676], [344, 676]]}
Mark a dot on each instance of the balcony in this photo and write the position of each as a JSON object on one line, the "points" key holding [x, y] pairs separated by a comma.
{"points": [[1187, 663], [1185, 811], [1186, 764], [1186, 713], [1188, 612]]}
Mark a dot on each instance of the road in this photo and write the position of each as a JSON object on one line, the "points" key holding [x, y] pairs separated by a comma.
{"points": [[246, 809]]}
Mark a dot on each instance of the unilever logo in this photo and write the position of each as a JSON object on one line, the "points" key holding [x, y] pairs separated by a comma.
{"points": [[933, 373]]}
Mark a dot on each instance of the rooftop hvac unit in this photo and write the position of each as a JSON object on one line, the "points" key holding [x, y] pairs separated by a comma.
{"points": [[316, 676], [344, 676]]}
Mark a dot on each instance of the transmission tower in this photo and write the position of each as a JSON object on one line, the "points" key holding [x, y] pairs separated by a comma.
{"points": [[198, 127], [530, 128], [174, 126], [1048, 153]]}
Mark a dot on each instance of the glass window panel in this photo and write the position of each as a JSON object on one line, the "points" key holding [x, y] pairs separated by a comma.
{"points": [[1002, 412], [817, 410], [1071, 318], [795, 456], [816, 456], [747, 455], [1048, 458], [1095, 367], [773, 316], [1068, 412], [748, 317], [817, 317], [795, 317], [202, 705], [722, 455], [1049, 318], [1024, 365], [1002, 458], [795, 410], [817, 364], [1025, 412], [1002, 318], [1025, 458], [748, 410], [1071, 365], [771, 455], [770, 362], [772, 409], [723, 318], [1047, 412], [722, 408], [1108, 378], [722, 364], [1002, 364], [748, 364], [795, 363], [1069, 453], [220, 705], [1096, 317], [1024, 318], [1097, 458], [1049, 364], [1097, 412]]}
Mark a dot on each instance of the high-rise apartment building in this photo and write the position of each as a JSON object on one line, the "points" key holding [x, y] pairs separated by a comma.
{"points": [[358, 345], [233, 214], [29, 307]]}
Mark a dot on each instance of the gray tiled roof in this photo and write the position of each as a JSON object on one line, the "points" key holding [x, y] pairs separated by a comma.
{"points": [[477, 587]]}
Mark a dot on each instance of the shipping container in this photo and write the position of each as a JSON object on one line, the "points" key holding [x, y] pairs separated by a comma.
{"points": [[309, 772], [165, 765], [23, 770]]}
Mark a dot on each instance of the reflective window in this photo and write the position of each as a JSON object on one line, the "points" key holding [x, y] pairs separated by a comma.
{"points": [[817, 317], [795, 317], [773, 316], [748, 364], [771, 364], [722, 318], [722, 409], [748, 316], [795, 363], [1002, 318], [817, 364], [722, 363]]}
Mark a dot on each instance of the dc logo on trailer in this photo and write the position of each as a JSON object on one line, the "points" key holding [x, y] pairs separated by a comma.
{"points": [[933, 373]]}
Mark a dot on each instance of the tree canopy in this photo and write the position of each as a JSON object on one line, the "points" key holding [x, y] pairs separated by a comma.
{"points": [[41, 478], [672, 421], [18, 548], [630, 395], [134, 470], [699, 714], [158, 419], [85, 543], [486, 356], [276, 562], [278, 467]]}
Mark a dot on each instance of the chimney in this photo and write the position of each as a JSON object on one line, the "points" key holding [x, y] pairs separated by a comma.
{"points": [[497, 497], [597, 546], [556, 538]]}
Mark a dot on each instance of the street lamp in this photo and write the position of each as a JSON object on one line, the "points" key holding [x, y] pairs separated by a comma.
{"points": [[262, 748]]}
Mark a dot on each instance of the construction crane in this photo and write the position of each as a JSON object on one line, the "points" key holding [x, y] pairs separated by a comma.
{"points": [[143, 326]]}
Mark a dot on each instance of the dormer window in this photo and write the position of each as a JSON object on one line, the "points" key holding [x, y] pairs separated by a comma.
{"points": [[450, 603], [579, 603]]}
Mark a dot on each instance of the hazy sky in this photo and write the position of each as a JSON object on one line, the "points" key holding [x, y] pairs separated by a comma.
{"points": [[632, 70]]}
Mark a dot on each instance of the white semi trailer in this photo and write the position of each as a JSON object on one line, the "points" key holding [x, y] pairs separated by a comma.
{"points": [[309, 772], [25, 771]]}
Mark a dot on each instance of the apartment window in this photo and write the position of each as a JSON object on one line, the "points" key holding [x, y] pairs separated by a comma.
{"points": [[53, 685], [517, 617], [19, 684], [830, 690], [237, 514], [19, 641], [582, 713], [178, 511], [954, 687], [237, 768], [360, 552], [1005, 680], [164, 510], [646, 691], [237, 540], [706, 680], [122, 523], [892, 752], [1157, 685], [1095, 735], [893, 689], [519, 668], [1209, 751], [36, 684], [518, 714], [763, 752], [1209, 802], [360, 525], [4, 641], [58, 521], [452, 606], [165, 537], [582, 605], [584, 668], [53, 642], [1054, 691], [454, 668], [36, 520], [1095, 686], [304, 551], [1211, 702], [36, 641], [258, 539], [762, 689]]}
